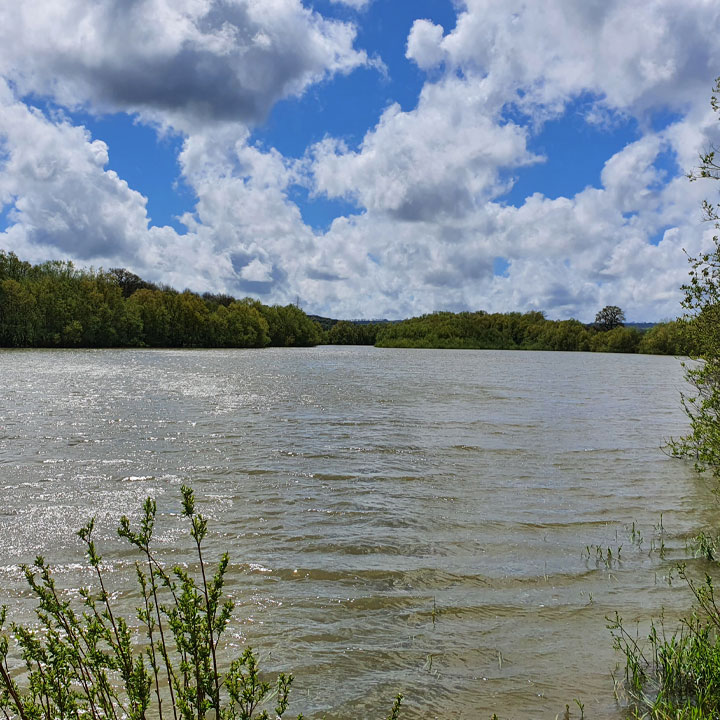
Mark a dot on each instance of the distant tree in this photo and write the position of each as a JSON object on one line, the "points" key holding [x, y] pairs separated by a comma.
{"points": [[565, 335], [12, 267], [668, 338], [129, 282], [19, 321], [214, 300], [246, 326], [349, 332], [288, 325], [152, 309], [610, 317]]}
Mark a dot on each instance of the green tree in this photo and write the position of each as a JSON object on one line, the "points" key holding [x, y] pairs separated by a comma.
{"points": [[151, 308], [346, 332], [702, 312], [239, 325], [289, 326], [55, 286], [610, 317], [565, 335], [668, 338], [12, 267], [19, 321], [129, 282], [618, 340], [189, 320]]}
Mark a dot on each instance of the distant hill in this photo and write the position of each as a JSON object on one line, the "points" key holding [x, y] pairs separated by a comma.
{"points": [[326, 323]]}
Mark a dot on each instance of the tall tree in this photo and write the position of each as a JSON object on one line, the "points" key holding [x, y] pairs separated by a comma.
{"points": [[129, 282], [610, 317]]}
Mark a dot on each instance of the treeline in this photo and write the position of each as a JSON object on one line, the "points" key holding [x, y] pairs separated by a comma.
{"points": [[530, 331], [55, 304], [346, 332]]}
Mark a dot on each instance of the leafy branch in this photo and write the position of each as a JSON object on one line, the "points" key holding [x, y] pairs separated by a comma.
{"points": [[91, 662]]}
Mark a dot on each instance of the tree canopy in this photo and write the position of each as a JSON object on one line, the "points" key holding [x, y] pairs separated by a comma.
{"points": [[55, 304], [609, 318]]}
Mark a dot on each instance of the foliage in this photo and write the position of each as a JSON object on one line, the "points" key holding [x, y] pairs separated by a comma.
{"points": [[465, 330], [289, 325], [130, 282], [56, 305], [505, 331], [92, 662], [677, 676], [345, 332], [668, 338], [618, 340], [609, 318], [702, 307]]}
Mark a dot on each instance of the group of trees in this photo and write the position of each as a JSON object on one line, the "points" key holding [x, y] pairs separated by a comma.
{"points": [[55, 304], [532, 331], [346, 332]]}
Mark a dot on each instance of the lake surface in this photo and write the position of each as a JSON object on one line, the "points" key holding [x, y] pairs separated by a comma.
{"points": [[397, 520]]}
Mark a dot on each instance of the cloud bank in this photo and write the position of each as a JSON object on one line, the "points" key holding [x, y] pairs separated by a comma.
{"points": [[432, 227], [186, 62]]}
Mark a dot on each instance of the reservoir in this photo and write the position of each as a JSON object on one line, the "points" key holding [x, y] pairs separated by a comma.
{"points": [[430, 522]]}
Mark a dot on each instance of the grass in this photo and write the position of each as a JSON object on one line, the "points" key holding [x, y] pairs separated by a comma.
{"points": [[676, 675]]}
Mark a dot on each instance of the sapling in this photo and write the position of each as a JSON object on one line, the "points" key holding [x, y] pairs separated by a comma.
{"points": [[91, 662]]}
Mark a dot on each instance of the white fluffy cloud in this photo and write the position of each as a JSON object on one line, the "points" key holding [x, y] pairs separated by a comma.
{"points": [[65, 204], [431, 230], [244, 236], [568, 256], [636, 55], [63, 198], [440, 160], [184, 62], [244, 212], [429, 179], [210, 68], [425, 44]]}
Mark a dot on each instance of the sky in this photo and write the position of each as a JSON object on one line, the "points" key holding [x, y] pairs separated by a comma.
{"points": [[365, 158]]}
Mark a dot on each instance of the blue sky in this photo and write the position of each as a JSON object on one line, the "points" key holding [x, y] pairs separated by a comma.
{"points": [[375, 158]]}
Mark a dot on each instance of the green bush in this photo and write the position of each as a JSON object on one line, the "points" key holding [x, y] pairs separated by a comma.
{"points": [[677, 676]]}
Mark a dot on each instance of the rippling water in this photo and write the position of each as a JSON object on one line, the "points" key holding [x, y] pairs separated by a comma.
{"points": [[399, 520]]}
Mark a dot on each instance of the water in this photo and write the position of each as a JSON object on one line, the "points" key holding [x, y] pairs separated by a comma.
{"points": [[398, 520]]}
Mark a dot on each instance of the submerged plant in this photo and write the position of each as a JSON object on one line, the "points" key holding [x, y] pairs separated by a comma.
{"points": [[603, 556], [91, 662]]}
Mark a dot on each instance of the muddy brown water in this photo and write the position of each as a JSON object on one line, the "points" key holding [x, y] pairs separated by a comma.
{"points": [[398, 520]]}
